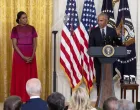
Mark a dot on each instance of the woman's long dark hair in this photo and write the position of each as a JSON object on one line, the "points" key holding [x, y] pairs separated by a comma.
{"points": [[19, 14]]}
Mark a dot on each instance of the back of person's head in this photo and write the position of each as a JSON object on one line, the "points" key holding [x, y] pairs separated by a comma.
{"points": [[33, 87], [80, 100], [56, 101], [12, 103], [110, 104], [126, 105]]}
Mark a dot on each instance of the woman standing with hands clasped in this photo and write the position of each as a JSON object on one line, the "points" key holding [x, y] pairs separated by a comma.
{"points": [[24, 60]]}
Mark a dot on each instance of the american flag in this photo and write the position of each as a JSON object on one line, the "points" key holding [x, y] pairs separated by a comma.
{"points": [[88, 21], [70, 53]]}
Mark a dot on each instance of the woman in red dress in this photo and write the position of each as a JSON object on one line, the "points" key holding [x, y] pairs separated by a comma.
{"points": [[24, 60]]}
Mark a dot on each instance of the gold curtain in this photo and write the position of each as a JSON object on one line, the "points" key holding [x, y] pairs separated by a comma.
{"points": [[39, 14]]}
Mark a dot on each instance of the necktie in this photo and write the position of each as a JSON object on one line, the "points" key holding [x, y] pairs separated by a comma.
{"points": [[103, 33]]}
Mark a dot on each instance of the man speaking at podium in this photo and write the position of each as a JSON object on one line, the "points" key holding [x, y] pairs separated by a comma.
{"points": [[101, 36]]}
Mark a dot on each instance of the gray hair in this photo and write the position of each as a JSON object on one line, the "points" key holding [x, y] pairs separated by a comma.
{"points": [[110, 104], [126, 105], [33, 87], [103, 14]]}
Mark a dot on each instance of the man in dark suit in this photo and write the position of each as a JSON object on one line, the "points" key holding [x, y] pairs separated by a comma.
{"points": [[101, 36], [33, 88]]}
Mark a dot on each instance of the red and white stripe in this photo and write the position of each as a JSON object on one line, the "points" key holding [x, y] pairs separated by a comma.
{"points": [[87, 62], [70, 55]]}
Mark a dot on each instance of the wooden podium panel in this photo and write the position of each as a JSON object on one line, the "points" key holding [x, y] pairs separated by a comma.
{"points": [[106, 84]]}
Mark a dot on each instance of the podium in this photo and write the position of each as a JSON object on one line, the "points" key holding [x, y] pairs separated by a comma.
{"points": [[106, 84]]}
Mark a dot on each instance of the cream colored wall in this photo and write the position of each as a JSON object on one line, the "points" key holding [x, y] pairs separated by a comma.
{"points": [[59, 10]]}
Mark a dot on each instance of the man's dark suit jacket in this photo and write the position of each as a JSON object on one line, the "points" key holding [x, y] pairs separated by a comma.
{"points": [[96, 39], [35, 104]]}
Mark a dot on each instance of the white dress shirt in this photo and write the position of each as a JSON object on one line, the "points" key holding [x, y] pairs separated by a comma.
{"points": [[33, 97], [104, 30]]}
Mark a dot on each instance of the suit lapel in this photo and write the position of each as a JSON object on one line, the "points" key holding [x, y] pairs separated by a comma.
{"points": [[107, 31], [100, 35]]}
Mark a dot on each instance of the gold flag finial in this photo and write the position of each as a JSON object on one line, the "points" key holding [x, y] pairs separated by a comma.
{"points": [[114, 1]]}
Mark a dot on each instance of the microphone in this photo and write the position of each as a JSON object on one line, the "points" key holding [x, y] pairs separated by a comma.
{"points": [[108, 40]]}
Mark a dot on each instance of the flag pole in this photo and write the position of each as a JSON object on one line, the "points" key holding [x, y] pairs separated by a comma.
{"points": [[54, 63], [71, 91]]}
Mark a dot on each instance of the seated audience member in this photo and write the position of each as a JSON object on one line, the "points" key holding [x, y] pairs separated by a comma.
{"points": [[12, 103], [126, 105], [56, 101], [33, 88], [111, 104], [80, 100]]}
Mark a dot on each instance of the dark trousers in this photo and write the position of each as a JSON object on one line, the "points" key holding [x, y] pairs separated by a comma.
{"points": [[97, 66]]}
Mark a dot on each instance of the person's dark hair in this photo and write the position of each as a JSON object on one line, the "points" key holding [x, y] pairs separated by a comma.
{"points": [[56, 101], [104, 14], [19, 14], [110, 103], [12, 103]]}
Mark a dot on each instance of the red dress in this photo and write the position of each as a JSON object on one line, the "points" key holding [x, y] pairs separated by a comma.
{"points": [[22, 71]]}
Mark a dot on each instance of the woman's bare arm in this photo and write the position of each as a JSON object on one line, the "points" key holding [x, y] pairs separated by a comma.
{"points": [[14, 42]]}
